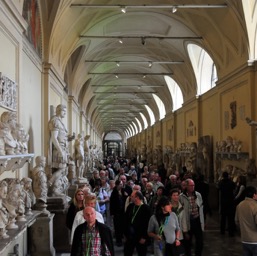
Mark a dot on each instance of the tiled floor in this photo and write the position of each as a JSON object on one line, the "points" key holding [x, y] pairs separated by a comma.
{"points": [[215, 244]]}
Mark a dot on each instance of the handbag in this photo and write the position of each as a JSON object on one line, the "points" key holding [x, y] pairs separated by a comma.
{"points": [[178, 250], [172, 249]]}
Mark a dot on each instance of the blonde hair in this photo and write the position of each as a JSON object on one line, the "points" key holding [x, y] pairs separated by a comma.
{"points": [[89, 198], [75, 201]]}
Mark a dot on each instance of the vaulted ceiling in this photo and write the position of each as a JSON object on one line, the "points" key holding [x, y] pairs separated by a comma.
{"points": [[83, 44]]}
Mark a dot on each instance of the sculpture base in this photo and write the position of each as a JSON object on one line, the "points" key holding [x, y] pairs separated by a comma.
{"points": [[41, 237], [61, 234]]}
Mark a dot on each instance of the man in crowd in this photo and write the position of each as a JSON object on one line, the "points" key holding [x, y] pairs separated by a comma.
{"points": [[136, 221], [246, 218], [192, 202], [89, 200], [92, 237]]}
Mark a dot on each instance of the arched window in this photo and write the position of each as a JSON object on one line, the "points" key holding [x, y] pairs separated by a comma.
{"points": [[150, 112], [139, 124], [250, 15], [144, 120], [175, 92], [160, 106], [204, 68], [135, 127]]}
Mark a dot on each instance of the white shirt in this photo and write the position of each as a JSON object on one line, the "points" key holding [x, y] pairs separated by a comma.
{"points": [[79, 219]]}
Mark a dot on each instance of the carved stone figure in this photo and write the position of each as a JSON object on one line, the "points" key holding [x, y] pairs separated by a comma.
{"points": [[7, 126], [4, 216], [39, 179], [79, 156], [14, 203], [250, 121], [87, 156], [27, 194], [58, 151], [229, 144], [71, 170], [21, 138]]}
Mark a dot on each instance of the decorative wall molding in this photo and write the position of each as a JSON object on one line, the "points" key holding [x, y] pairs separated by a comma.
{"points": [[8, 93], [14, 162]]}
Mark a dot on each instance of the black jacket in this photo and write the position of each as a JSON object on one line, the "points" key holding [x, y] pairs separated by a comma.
{"points": [[105, 234]]}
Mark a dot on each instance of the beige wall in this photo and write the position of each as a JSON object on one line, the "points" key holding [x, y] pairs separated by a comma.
{"points": [[211, 115]]}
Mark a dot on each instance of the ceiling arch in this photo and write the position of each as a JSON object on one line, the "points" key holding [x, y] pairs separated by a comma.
{"points": [[84, 47]]}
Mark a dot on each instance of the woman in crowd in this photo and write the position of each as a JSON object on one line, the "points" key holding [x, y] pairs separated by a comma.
{"points": [[159, 194], [102, 197], [240, 189], [76, 205], [164, 228], [178, 209]]}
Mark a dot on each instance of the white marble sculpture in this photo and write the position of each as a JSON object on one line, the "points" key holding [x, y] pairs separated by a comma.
{"points": [[80, 158], [11, 202], [21, 138], [7, 126], [87, 158], [27, 194], [4, 215], [39, 184], [58, 152], [16, 199]]}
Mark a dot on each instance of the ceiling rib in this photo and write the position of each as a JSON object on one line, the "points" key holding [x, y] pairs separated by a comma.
{"points": [[140, 37], [132, 73], [125, 85], [132, 61], [180, 6]]}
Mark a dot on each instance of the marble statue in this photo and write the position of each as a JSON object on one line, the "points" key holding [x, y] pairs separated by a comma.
{"points": [[39, 185], [14, 203], [87, 156], [250, 121], [58, 152], [4, 215], [7, 126], [71, 170], [22, 139], [27, 194], [80, 157], [16, 198], [39, 180]]}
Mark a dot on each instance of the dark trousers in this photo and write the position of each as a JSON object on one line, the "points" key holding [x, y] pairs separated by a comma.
{"points": [[118, 227], [196, 232], [227, 218], [131, 244]]}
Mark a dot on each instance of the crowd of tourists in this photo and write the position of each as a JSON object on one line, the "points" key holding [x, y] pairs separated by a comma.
{"points": [[142, 209]]}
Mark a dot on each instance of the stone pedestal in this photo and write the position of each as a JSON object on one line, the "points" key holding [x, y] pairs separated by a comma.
{"points": [[41, 237], [71, 190], [61, 234], [213, 196]]}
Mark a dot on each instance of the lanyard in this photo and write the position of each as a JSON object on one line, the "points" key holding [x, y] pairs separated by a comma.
{"points": [[134, 214], [163, 225], [89, 244]]}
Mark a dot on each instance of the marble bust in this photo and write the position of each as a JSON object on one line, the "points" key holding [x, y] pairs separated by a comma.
{"points": [[7, 126], [39, 179], [4, 215]]}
